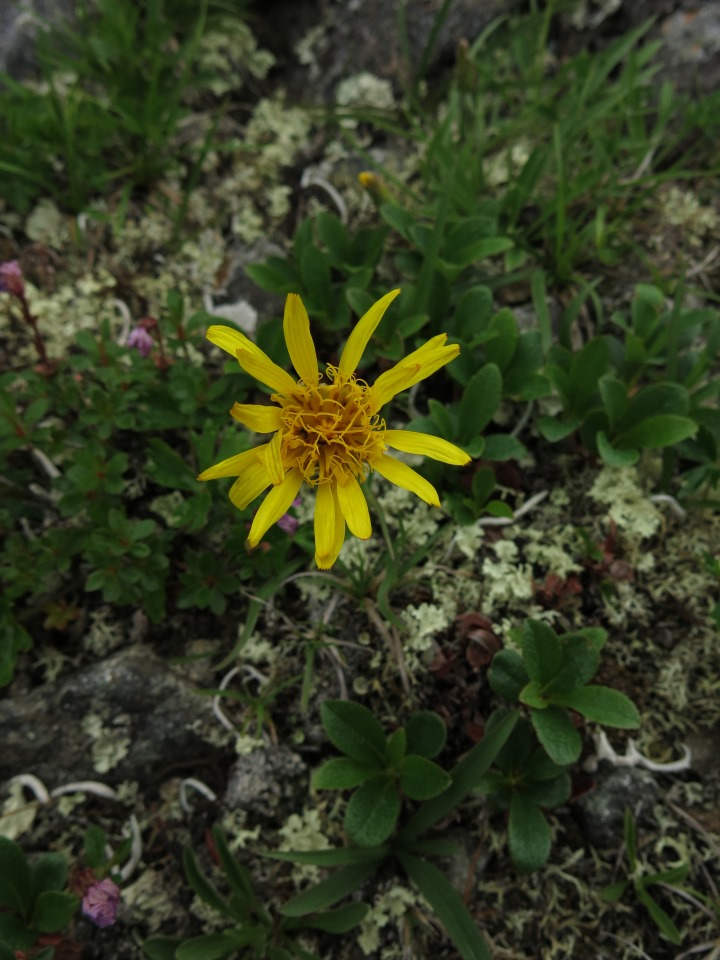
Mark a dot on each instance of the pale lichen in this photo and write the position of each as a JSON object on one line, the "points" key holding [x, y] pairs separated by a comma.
{"points": [[389, 908], [304, 832], [109, 744]]}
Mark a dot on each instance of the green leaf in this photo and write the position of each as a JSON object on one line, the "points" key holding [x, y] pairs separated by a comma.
{"points": [[441, 418], [421, 779], [168, 468], [532, 695], [557, 734], [555, 430], [660, 431], [342, 773], [611, 455], [15, 878], [398, 218], [503, 446], [238, 877], [480, 401], [210, 946], [580, 661], [614, 396], [54, 910], [202, 886], [602, 705], [49, 872], [94, 843], [340, 920], [447, 905], [354, 730], [539, 299], [508, 675], [528, 833], [500, 350], [161, 948], [465, 776], [660, 918], [372, 812], [586, 369], [315, 272], [13, 640], [498, 508], [548, 793], [333, 235], [6, 953], [542, 652], [15, 933], [335, 857], [426, 734], [614, 891], [324, 894], [396, 747]]}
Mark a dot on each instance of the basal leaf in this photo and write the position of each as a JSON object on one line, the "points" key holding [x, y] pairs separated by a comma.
{"points": [[421, 779], [557, 734], [528, 833], [342, 773], [372, 812], [426, 734], [602, 705], [354, 730]]}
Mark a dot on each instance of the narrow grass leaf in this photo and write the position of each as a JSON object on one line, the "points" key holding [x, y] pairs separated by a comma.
{"points": [[448, 906], [326, 893]]}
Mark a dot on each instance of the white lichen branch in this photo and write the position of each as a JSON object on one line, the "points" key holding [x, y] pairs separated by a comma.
{"points": [[520, 512], [632, 757], [199, 787], [672, 502]]}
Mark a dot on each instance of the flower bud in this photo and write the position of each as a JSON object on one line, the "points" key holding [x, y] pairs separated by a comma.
{"points": [[11, 278]]}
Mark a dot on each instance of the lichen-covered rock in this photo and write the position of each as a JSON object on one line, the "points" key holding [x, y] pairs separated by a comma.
{"points": [[129, 717]]}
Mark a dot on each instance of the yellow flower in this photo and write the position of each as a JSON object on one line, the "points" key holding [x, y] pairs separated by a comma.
{"points": [[327, 430]]}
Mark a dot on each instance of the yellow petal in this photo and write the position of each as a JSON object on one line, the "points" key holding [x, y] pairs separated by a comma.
{"points": [[233, 466], [361, 333], [272, 459], [426, 445], [250, 484], [296, 327], [230, 340], [404, 476], [411, 369], [324, 520], [275, 505], [330, 525], [354, 508], [257, 417], [260, 366]]}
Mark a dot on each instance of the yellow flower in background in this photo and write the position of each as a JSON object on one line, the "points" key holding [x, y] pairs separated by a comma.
{"points": [[327, 430]]}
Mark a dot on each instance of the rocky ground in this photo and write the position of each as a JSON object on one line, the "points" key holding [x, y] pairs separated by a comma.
{"points": [[115, 700]]}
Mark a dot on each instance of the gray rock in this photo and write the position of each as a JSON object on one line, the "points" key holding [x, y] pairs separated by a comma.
{"points": [[20, 21], [145, 712], [602, 811], [354, 36], [261, 780]]}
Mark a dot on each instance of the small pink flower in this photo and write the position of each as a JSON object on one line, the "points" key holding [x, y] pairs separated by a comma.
{"points": [[141, 340], [287, 523], [11, 278], [100, 903]]}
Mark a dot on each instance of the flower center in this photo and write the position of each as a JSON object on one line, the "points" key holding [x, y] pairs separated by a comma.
{"points": [[328, 431]]}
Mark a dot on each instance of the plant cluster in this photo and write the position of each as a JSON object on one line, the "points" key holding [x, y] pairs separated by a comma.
{"points": [[527, 177]]}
